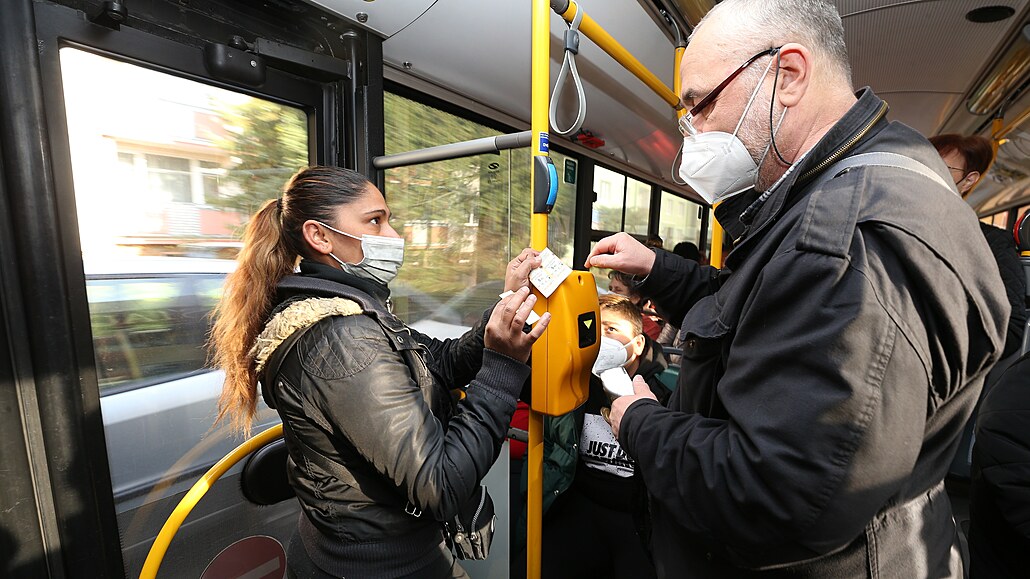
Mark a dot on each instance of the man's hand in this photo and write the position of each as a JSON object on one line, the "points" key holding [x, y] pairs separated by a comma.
{"points": [[516, 275], [623, 253], [640, 391]]}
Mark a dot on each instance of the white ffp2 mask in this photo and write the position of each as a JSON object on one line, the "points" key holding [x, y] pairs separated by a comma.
{"points": [[716, 164], [611, 354]]}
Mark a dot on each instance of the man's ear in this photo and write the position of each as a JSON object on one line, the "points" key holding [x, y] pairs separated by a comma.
{"points": [[795, 61], [316, 237]]}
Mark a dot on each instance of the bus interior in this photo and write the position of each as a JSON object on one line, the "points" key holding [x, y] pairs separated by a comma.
{"points": [[137, 136]]}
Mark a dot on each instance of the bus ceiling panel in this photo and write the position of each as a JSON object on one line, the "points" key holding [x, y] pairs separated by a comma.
{"points": [[484, 55], [1007, 183], [924, 111], [928, 47], [385, 18]]}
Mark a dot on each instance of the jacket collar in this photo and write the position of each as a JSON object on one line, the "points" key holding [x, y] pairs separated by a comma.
{"points": [[792, 187], [310, 268]]}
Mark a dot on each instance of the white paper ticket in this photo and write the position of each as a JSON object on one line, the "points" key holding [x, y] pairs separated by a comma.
{"points": [[550, 274], [533, 317], [617, 382]]}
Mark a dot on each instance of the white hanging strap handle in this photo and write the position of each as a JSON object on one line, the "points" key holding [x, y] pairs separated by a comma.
{"points": [[569, 64]]}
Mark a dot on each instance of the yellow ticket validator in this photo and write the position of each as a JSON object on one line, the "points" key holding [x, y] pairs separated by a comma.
{"points": [[564, 355]]}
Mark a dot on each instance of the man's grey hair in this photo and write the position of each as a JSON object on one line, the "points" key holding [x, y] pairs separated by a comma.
{"points": [[762, 24]]}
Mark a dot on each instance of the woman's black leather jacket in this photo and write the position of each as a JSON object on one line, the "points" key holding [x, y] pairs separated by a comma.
{"points": [[347, 390]]}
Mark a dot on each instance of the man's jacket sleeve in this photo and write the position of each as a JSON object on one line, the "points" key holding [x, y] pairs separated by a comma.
{"points": [[676, 283]]}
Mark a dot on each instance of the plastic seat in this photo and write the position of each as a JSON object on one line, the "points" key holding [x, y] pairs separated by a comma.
{"points": [[264, 480]]}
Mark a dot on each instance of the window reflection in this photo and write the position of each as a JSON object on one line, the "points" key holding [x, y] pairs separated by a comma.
{"points": [[186, 163], [679, 220], [462, 219]]}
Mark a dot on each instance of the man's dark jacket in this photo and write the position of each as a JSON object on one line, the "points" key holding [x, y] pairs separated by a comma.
{"points": [[999, 507], [827, 372]]}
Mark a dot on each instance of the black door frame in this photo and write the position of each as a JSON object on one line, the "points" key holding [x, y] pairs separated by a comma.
{"points": [[57, 515]]}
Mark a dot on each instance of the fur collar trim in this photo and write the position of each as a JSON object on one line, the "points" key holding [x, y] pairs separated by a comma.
{"points": [[297, 316]]}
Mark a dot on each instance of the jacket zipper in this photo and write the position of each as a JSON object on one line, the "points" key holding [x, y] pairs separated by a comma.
{"points": [[479, 509], [846, 146], [833, 158]]}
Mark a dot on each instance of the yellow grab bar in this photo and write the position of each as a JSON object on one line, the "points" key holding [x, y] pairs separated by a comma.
{"points": [[174, 521]]}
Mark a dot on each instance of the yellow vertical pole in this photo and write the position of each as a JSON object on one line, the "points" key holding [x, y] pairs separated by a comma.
{"points": [[540, 84], [715, 259]]}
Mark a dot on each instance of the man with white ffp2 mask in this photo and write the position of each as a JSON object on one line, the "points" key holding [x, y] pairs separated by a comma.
{"points": [[716, 164], [829, 367]]}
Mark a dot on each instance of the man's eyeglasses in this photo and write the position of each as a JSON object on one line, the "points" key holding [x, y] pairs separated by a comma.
{"points": [[685, 125], [963, 171]]}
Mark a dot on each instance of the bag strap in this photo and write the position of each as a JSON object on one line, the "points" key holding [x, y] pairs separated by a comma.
{"points": [[881, 159], [314, 455]]}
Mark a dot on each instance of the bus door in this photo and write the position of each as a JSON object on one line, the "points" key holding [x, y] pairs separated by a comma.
{"points": [[157, 133]]}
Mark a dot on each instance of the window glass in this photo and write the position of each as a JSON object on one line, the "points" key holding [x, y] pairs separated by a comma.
{"points": [[186, 163], [149, 330], [1000, 220], [638, 206], [679, 220], [462, 219], [163, 190], [169, 177], [610, 188], [600, 274]]}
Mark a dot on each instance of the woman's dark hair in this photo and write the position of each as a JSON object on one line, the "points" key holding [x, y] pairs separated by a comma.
{"points": [[975, 150], [272, 244]]}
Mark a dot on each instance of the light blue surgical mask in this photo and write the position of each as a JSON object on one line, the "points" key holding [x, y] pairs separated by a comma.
{"points": [[382, 259]]}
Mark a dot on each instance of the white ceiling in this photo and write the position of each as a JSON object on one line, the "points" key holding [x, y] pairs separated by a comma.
{"points": [[922, 56]]}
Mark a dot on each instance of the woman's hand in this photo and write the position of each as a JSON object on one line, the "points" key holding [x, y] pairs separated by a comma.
{"points": [[504, 333], [516, 275]]}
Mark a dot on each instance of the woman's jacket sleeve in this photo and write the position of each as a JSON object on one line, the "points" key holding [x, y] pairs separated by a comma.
{"points": [[366, 390]]}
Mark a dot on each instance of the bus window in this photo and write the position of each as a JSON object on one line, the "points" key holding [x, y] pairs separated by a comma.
{"points": [[679, 220], [1000, 220], [462, 219], [610, 188], [638, 204], [186, 164]]}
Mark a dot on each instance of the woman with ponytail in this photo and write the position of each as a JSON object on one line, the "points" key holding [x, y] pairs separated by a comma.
{"points": [[380, 453]]}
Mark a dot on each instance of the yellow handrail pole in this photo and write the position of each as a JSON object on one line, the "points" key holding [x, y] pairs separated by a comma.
{"points": [[715, 260], [540, 85], [1003, 130], [602, 39], [174, 521], [677, 80]]}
